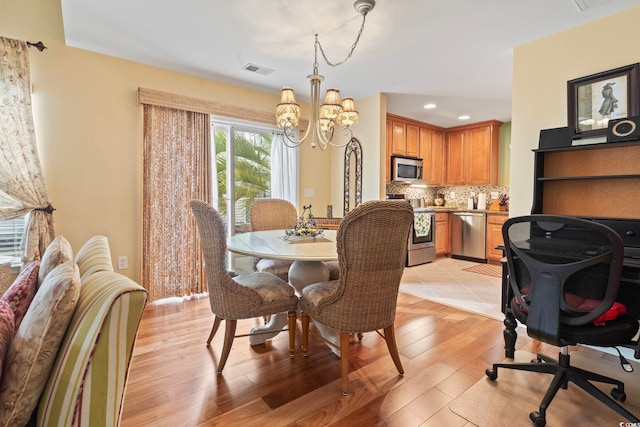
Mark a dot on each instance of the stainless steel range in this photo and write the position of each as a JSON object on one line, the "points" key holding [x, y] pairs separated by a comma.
{"points": [[422, 239], [421, 247]]}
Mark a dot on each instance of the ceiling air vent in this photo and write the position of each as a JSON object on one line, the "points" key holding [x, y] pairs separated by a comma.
{"points": [[258, 69]]}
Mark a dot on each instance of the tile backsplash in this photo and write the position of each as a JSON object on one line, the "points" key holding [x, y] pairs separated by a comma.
{"points": [[461, 193]]}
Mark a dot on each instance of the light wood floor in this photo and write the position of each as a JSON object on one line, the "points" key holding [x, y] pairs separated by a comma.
{"points": [[444, 351]]}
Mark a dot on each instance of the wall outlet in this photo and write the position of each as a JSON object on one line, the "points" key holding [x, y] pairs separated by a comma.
{"points": [[123, 263], [309, 192], [452, 195]]}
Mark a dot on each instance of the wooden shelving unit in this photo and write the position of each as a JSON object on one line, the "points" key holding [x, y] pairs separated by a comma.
{"points": [[596, 180]]}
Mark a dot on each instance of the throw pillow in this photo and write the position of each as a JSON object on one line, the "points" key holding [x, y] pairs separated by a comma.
{"points": [[58, 251], [94, 256], [7, 329], [586, 304], [36, 342], [21, 292]]}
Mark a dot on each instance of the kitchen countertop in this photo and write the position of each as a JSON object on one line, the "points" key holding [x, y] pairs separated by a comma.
{"points": [[464, 209]]}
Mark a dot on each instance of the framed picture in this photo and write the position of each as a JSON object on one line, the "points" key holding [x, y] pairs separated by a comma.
{"points": [[594, 100]]}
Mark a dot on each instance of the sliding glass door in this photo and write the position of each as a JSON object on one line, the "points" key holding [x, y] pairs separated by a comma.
{"points": [[242, 173]]}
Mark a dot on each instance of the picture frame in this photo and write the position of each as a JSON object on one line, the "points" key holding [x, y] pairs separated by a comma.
{"points": [[594, 100]]}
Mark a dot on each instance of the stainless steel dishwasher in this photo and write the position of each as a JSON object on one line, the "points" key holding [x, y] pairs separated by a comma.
{"points": [[468, 233]]}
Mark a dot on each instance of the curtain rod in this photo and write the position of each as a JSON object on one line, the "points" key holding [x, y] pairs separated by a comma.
{"points": [[40, 46]]}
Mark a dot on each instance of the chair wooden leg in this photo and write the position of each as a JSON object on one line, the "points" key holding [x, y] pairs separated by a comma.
{"points": [[344, 362], [390, 338], [292, 332], [305, 334], [229, 334], [214, 328]]}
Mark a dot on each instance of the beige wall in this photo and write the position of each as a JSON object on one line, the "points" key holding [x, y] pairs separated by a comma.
{"points": [[89, 129], [504, 163], [541, 71], [370, 132]]}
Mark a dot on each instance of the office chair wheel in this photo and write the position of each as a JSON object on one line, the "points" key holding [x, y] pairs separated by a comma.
{"points": [[618, 394], [537, 419], [492, 374]]}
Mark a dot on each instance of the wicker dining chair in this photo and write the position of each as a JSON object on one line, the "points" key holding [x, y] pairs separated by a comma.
{"points": [[277, 214], [273, 214], [243, 296], [372, 249]]}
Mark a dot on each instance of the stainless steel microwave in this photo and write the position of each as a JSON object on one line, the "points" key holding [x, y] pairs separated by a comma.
{"points": [[406, 169]]}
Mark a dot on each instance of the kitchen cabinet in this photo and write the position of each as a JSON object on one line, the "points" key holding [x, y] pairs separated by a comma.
{"points": [[455, 172], [494, 236], [405, 138], [442, 233], [432, 154], [472, 154], [411, 138], [592, 180]]}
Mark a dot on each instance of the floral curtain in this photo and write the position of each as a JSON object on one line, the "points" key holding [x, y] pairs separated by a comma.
{"points": [[176, 169], [22, 186]]}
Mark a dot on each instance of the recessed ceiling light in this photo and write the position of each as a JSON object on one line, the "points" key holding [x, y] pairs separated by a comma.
{"points": [[430, 106], [464, 117]]}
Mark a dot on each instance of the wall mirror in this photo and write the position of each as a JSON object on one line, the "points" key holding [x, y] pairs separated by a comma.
{"points": [[352, 175]]}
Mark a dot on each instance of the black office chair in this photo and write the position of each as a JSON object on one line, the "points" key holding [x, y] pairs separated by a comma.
{"points": [[565, 274]]}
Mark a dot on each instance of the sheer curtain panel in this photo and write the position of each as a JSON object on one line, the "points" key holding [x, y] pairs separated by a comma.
{"points": [[284, 170], [176, 159], [22, 186]]}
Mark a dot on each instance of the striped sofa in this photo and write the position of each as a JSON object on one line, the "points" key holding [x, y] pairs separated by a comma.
{"points": [[86, 386]]}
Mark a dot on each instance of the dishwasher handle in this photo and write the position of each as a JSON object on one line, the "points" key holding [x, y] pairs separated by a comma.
{"points": [[468, 214]]}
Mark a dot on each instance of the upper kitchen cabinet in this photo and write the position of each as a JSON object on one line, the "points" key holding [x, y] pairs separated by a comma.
{"points": [[472, 154], [405, 136], [432, 153]]}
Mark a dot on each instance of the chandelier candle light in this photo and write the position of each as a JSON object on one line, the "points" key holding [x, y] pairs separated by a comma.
{"points": [[324, 118]]}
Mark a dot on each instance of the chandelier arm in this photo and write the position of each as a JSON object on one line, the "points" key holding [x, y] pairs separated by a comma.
{"points": [[288, 133], [353, 46], [346, 131], [323, 140]]}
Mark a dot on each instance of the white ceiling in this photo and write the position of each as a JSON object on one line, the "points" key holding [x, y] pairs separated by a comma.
{"points": [[455, 53]]}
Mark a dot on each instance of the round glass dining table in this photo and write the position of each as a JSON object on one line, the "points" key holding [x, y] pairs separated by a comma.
{"points": [[307, 268]]}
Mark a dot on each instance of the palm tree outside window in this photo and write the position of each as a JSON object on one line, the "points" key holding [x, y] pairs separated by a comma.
{"points": [[248, 165]]}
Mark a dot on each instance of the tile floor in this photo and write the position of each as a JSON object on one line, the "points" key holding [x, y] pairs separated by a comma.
{"points": [[443, 281], [446, 282]]}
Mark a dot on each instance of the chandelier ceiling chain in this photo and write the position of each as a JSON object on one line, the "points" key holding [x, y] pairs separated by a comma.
{"points": [[333, 112], [353, 46]]}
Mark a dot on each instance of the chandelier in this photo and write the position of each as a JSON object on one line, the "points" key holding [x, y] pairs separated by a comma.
{"points": [[333, 112]]}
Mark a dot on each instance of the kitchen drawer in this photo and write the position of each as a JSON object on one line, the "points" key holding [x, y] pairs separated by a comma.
{"points": [[498, 219], [442, 216]]}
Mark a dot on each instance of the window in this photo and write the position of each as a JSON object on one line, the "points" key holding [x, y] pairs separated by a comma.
{"points": [[242, 171], [249, 164], [11, 233]]}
